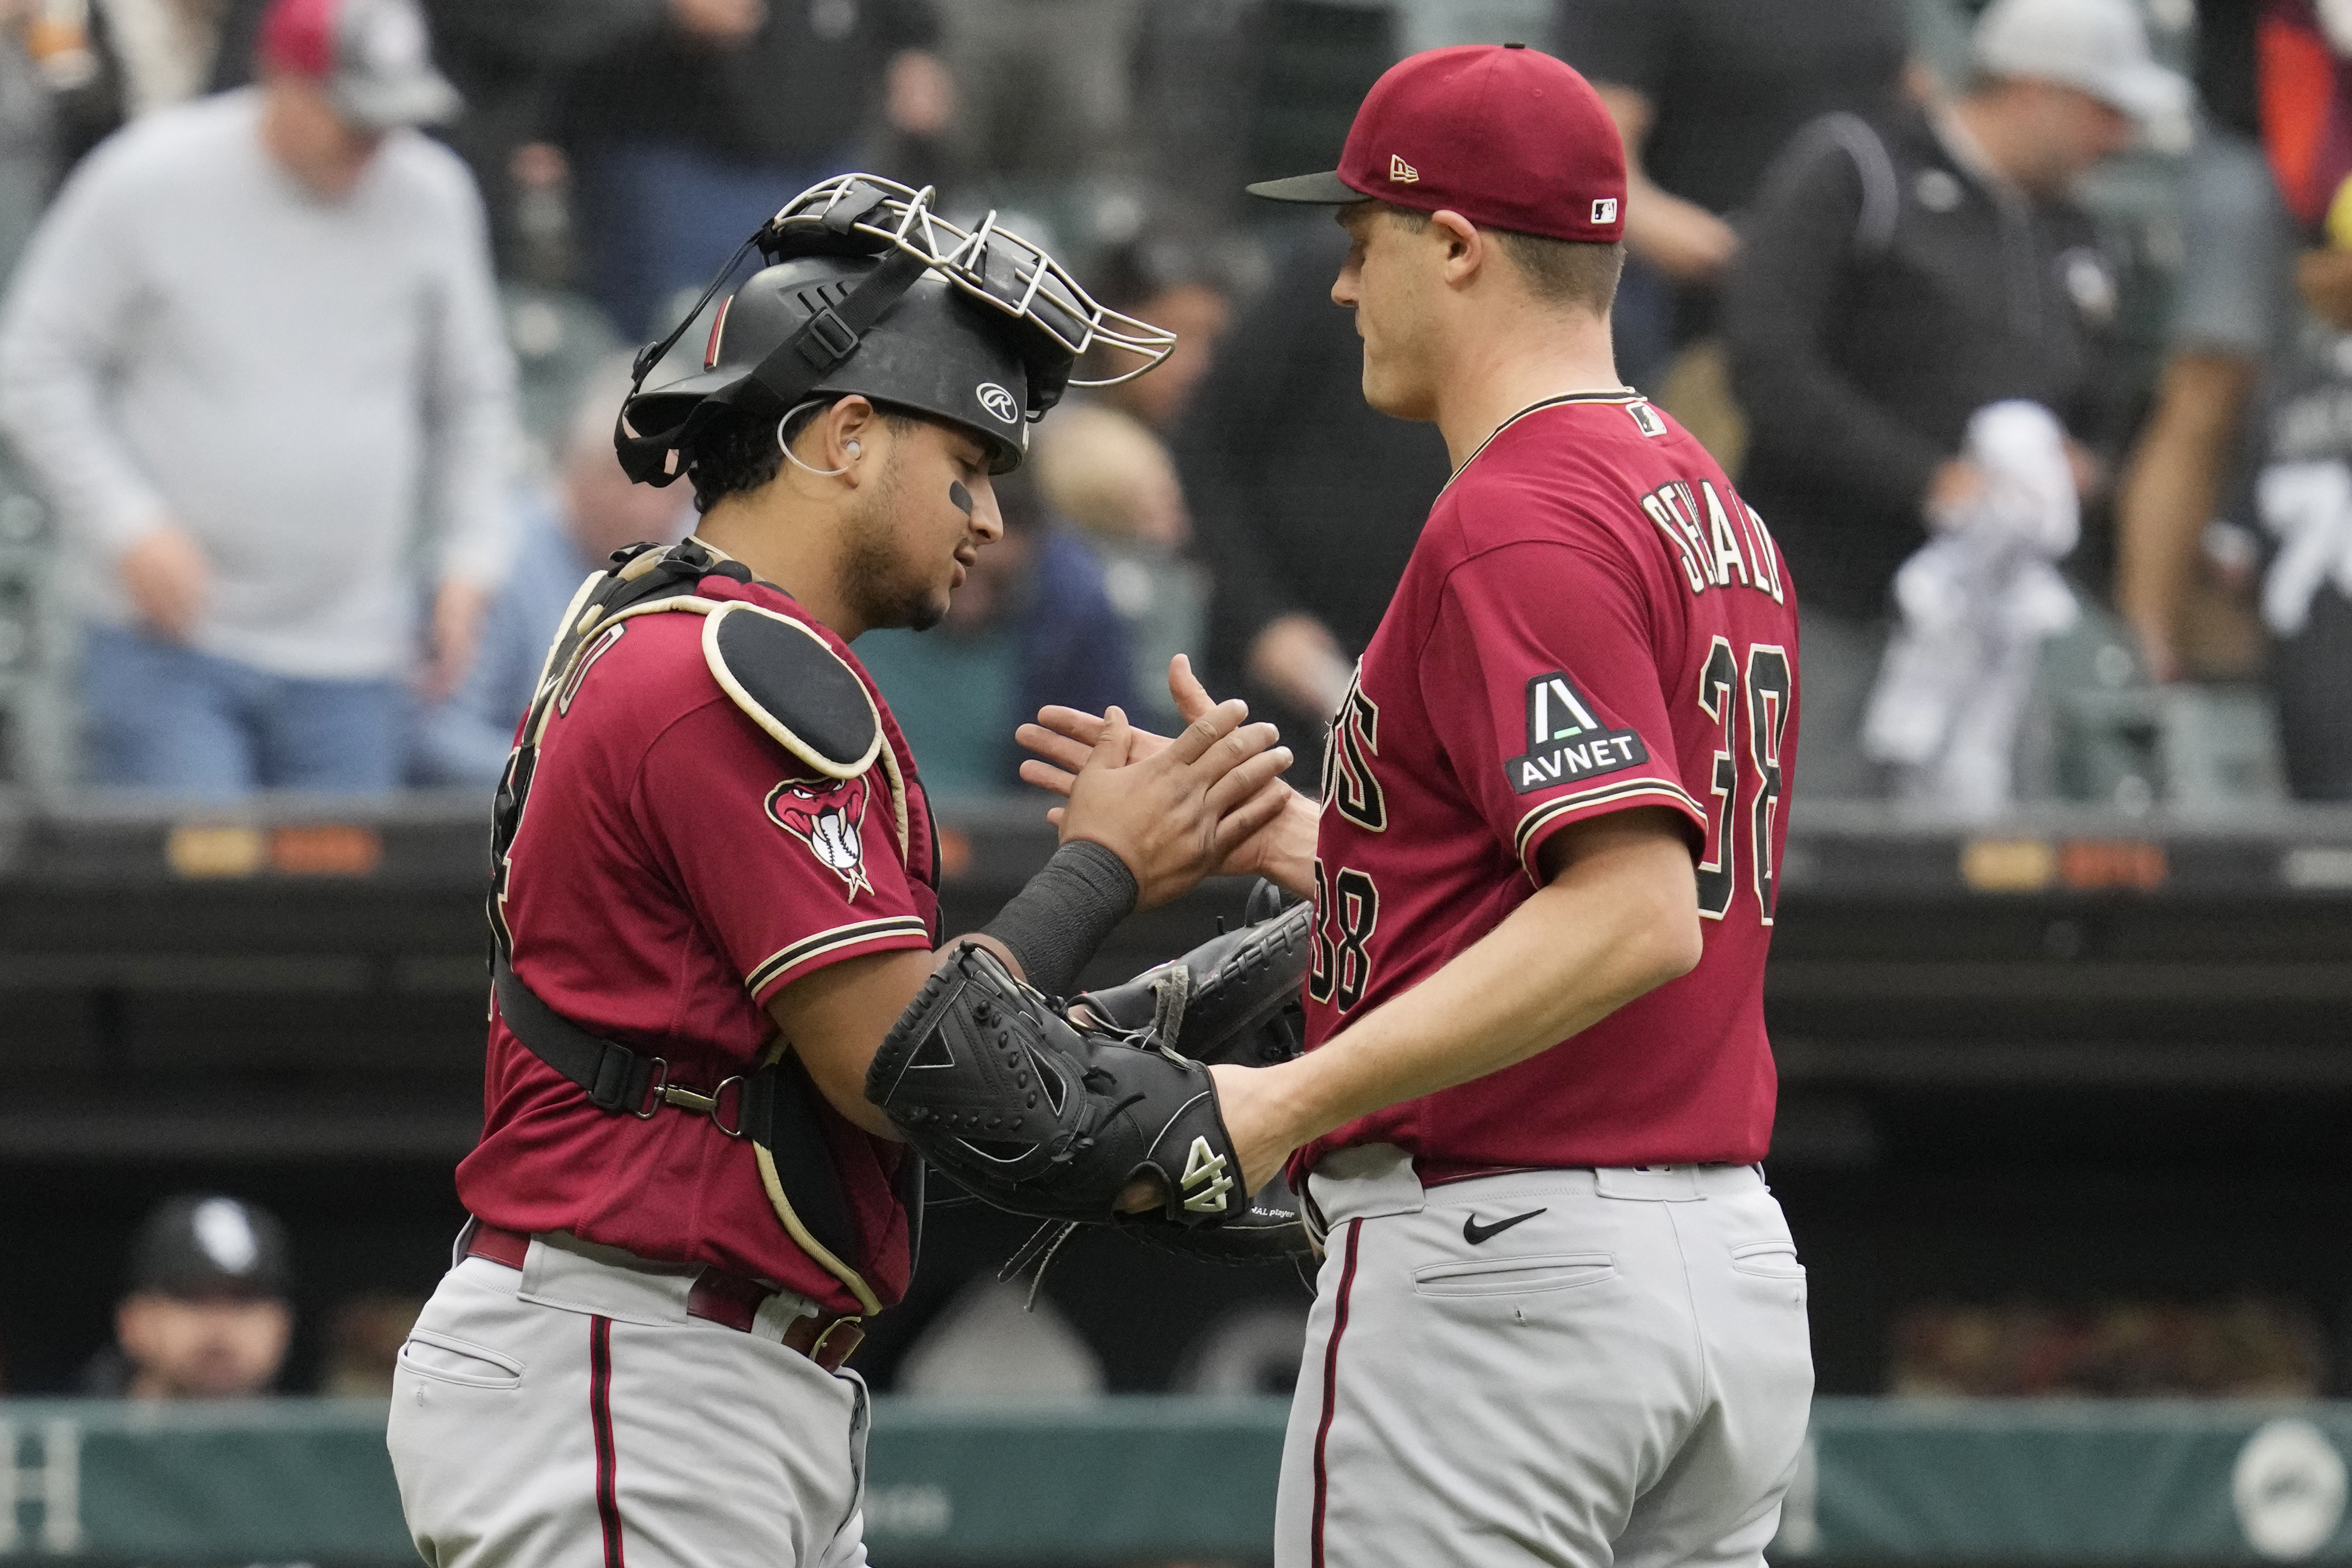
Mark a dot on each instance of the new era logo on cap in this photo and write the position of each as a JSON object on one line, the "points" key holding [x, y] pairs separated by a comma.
{"points": [[1401, 173], [1605, 209]]}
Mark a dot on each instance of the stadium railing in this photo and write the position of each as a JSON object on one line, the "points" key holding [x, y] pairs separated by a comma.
{"points": [[1154, 1478]]}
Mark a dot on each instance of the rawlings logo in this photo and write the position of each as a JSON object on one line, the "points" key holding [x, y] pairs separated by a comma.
{"points": [[1207, 1170], [827, 815], [999, 403]]}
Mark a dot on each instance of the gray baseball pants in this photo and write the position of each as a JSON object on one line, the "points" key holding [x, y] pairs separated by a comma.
{"points": [[570, 1414], [1562, 1367]]}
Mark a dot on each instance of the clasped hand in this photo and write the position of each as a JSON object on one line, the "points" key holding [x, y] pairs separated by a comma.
{"points": [[1264, 828], [1172, 810]]}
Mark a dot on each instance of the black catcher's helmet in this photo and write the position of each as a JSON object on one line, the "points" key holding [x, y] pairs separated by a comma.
{"points": [[868, 292]]}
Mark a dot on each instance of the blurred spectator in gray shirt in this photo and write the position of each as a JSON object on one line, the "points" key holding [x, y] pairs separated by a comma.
{"points": [[569, 530], [255, 356]]}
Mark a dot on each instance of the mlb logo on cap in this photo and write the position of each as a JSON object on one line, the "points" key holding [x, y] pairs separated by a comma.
{"points": [[1513, 139]]}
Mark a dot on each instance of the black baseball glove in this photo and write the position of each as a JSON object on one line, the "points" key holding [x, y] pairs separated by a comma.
{"points": [[1052, 1112], [1235, 998], [1000, 1093]]}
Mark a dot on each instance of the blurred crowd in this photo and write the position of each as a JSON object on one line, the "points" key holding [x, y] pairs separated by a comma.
{"points": [[212, 1306], [2025, 326]]}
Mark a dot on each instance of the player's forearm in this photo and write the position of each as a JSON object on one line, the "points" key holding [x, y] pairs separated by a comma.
{"points": [[2167, 495], [1289, 859], [1617, 923], [834, 1019]]}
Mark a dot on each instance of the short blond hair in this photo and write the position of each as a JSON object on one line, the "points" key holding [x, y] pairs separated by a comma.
{"points": [[1577, 272]]}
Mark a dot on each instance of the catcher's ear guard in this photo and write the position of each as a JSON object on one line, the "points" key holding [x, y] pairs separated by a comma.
{"points": [[998, 1092]]}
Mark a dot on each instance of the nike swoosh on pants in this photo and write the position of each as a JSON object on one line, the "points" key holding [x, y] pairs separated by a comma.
{"points": [[1473, 1233]]}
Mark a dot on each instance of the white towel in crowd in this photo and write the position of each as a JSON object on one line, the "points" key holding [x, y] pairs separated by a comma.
{"points": [[1977, 602]]}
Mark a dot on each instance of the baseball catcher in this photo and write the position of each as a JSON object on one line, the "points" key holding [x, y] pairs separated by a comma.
{"points": [[715, 889]]}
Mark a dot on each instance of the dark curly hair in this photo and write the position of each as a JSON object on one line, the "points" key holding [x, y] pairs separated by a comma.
{"points": [[737, 454]]}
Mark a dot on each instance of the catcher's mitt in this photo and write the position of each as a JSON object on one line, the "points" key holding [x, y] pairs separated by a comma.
{"points": [[1236, 997], [1000, 1093]]}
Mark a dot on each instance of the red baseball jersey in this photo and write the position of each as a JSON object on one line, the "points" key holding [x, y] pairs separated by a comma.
{"points": [[676, 867], [1592, 621]]}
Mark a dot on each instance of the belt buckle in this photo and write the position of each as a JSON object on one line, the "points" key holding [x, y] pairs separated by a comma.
{"points": [[857, 1335]]}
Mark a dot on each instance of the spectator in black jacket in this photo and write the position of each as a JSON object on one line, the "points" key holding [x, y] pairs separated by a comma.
{"points": [[1898, 274], [1705, 92], [1305, 501], [689, 132]]}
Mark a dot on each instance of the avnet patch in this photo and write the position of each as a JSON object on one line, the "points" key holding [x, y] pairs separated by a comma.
{"points": [[1566, 743]]}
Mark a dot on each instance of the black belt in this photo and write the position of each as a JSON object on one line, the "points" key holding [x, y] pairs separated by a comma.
{"points": [[615, 1078]]}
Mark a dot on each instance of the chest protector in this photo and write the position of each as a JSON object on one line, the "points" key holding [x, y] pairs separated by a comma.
{"points": [[791, 683]]}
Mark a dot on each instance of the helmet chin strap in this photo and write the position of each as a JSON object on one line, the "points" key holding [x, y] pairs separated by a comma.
{"points": [[790, 457]]}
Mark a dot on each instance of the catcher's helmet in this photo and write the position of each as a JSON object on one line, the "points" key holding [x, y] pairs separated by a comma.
{"points": [[868, 292]]}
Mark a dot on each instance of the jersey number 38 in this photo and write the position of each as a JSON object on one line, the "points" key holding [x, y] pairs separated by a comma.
{"points": [[1751, 715]]}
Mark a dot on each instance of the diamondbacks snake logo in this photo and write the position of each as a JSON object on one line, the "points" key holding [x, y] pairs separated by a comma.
{"points": [[828, 815]]}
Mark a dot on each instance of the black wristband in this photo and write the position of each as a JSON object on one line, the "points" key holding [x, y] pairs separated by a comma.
{"points": [[1054, 925]]}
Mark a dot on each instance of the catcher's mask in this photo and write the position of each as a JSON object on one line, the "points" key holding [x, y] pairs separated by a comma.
{"points": [[867, 291]]}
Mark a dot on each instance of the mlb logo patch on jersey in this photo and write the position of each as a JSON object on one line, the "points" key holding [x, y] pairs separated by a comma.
{"points": [[1566, 743], [1646, 419]]}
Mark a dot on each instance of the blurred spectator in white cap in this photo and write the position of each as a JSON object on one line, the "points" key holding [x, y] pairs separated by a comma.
{"points": [[569, 530], [255, 356], [205, 1316], [1897, 275]]}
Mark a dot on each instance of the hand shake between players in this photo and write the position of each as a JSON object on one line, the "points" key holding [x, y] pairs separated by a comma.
{"points": [[1268, 832]]}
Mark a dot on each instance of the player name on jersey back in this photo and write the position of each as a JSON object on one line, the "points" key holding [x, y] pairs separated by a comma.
{"points": [[1718, 545]]}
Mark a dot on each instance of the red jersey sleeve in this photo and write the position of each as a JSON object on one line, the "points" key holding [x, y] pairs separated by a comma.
{"points": [[790, 871], [1542, 683]]}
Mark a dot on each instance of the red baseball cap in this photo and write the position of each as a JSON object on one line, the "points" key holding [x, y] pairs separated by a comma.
{"points": [[1506, 135], [373, 55]]}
